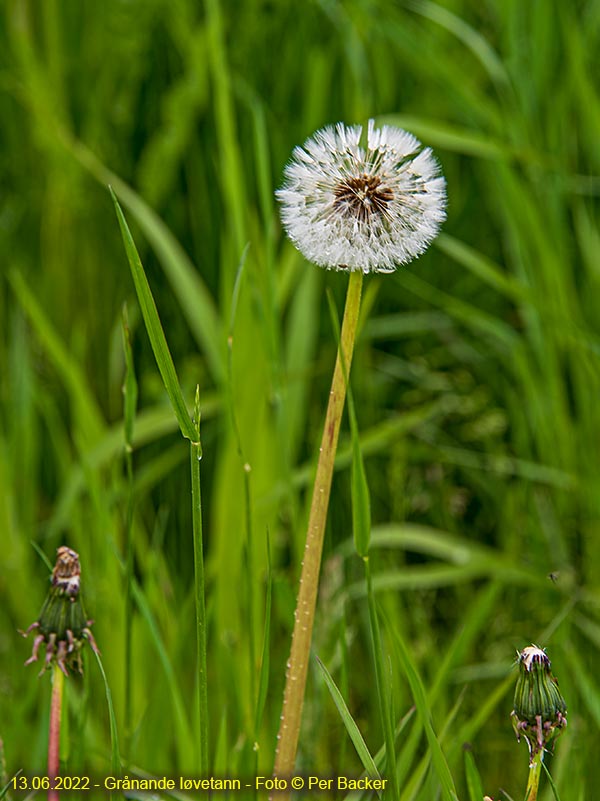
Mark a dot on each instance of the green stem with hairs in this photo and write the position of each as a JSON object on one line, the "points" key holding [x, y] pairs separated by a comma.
{"points": [[54, 732], [295, 682], [533, 781]]}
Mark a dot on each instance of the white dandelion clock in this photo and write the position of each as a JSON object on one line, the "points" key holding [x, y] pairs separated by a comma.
{"points": [[350, 208]]}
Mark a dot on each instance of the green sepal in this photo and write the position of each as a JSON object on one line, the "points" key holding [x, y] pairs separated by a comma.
{"points": [[537, 693]]}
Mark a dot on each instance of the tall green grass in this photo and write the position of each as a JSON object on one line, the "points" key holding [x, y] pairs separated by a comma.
{"points": [[475, 383]]}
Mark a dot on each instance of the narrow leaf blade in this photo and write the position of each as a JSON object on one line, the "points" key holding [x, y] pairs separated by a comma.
{"points": [[155, 329], [353, 731]]}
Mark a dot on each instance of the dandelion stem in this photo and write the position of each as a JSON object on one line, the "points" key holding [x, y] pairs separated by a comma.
{"points": [[533, 781], [295, 683], [54, 732]]}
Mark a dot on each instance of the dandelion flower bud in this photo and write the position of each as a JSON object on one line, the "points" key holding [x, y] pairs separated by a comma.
{"points": [[540, 711], [351, 208], [62, 625]]}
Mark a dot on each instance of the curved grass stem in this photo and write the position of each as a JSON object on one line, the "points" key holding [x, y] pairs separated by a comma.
{"points": [[295, 682]]}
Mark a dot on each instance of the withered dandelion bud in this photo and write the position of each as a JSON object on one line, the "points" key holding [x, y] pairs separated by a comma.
{"points": [[62, 626]]}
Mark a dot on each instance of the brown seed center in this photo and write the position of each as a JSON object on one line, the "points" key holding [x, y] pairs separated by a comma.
{"points": [[361, 196]]}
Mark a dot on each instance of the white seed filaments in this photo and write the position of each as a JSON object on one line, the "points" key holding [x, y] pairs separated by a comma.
{"points": [[345, 207]]}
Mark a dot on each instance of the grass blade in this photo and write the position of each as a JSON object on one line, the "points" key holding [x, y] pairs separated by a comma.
{"points": [[115, 763], [89, 415], [420, 698], [384, 711], [354, 733], [183, 733], [473, 778], [155, 329], [193, 296], [551, 782], [263, 680]]}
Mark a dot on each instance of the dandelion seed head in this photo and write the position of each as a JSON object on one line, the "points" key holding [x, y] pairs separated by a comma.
{"points": [[351, 208]]}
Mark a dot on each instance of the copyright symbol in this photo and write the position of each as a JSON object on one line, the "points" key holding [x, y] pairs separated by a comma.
{"points": [[297, 782]]}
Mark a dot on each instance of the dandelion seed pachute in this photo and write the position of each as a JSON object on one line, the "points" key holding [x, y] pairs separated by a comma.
{"points": [[368, 209]]}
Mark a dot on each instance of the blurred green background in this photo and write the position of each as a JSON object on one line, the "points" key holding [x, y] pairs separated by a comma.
{"points": [[476, 377]]}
